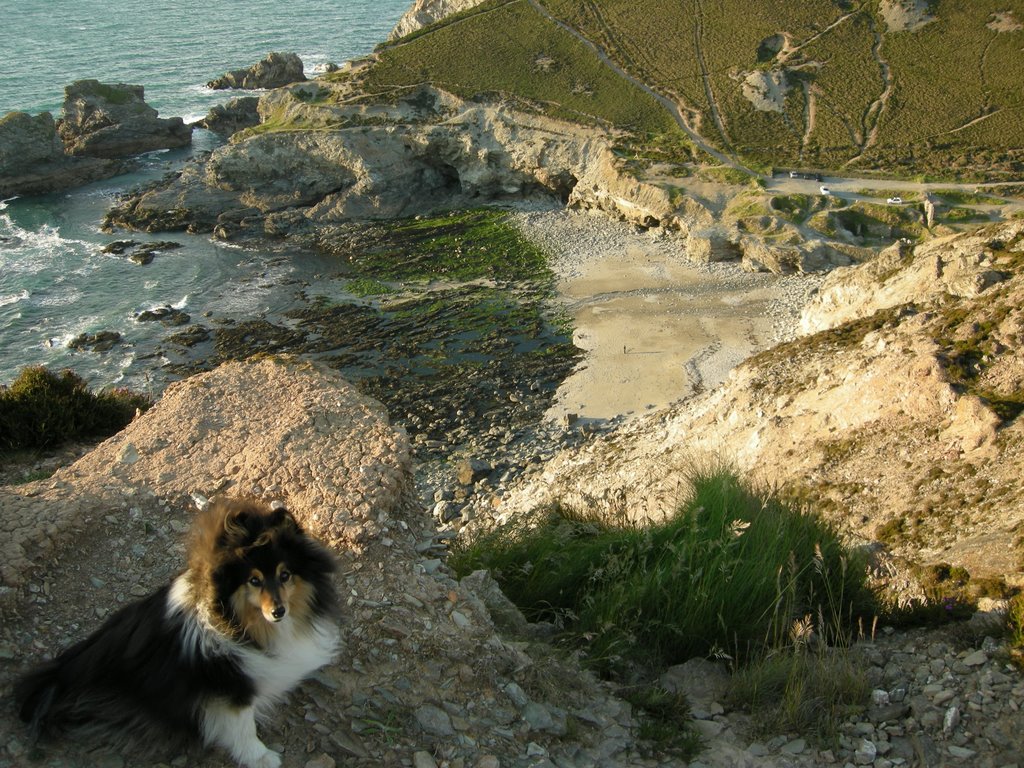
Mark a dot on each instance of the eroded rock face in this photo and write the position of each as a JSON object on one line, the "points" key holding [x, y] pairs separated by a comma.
{"points": [[426, 12], [274, 71], [104, 120], [428, 151], [33, 161], [963, 266]]}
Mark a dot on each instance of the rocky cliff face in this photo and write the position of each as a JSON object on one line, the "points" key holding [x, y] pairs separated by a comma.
{"points": [[426, 12], [426, 150], [901, 420]]}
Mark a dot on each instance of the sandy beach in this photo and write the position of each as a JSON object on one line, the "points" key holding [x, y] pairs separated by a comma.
{"points": [[655, 327]]}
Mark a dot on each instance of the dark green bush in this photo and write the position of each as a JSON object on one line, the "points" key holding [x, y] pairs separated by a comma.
{"points": [[729, 572], [42, 409]]}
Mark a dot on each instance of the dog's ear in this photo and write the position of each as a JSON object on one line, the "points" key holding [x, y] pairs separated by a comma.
{"points": [[282, 517], [238, 520]]}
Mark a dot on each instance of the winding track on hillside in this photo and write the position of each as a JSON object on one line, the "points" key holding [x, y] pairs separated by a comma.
{"points": [[872, 119], [672, 107]]}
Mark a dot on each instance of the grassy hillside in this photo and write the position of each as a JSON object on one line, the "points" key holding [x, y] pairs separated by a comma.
{"points": [[939, 93], [509, 50]]}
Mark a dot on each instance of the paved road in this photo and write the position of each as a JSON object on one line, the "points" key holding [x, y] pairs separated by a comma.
{"points": [[849, 188]]}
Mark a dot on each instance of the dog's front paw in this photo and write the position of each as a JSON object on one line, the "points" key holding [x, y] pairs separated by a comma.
{"points": [[269, 759]]}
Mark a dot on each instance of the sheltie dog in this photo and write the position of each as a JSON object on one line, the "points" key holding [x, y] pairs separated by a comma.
{"points": [[254, 613]]}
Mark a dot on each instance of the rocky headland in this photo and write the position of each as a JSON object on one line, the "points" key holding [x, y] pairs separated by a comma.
{"points": [[101, 124]]}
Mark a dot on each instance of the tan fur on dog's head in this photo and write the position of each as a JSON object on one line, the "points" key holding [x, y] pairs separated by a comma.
{"points": [[252, 567]]}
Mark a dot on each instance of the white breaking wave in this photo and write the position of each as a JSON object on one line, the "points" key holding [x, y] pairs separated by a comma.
{"points": [[13, 298], [65, 298]]}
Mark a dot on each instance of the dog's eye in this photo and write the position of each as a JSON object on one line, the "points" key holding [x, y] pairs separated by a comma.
{"points": [[284, 576], [256, 581]]}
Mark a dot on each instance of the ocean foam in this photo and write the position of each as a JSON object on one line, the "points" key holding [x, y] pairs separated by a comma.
{"points": [[13, 298]]}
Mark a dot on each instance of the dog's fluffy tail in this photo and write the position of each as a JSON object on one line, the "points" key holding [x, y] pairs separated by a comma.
{"points": [[35, 694]]}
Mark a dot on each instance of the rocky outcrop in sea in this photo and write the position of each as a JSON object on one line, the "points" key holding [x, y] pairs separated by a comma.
{"points": [[100, 125], [33, 160], [114, 120], [273, 71]]}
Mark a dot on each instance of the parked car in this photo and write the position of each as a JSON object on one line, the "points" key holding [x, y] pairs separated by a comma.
{"points": [[825, 190], [895, 200]]}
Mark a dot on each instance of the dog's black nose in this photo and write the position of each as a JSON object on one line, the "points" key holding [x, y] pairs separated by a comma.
{"points": [[278, 612]]}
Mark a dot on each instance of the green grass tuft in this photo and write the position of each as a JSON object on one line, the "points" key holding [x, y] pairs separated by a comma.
{"points": [[665, 721], [801, 690], [729, 571]]}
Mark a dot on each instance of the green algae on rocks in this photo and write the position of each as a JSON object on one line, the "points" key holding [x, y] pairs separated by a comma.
{"points": [[444, 319]]}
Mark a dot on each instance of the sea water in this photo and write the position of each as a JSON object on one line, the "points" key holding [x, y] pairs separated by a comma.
{"points": [[55, 283]]}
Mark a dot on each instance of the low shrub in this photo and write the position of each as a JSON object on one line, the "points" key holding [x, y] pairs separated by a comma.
{"points": [[41, 409], [729, 572]]}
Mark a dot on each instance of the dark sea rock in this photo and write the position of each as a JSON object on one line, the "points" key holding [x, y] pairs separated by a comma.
{"points": [[113, 120], [191, 336], [166, 315], [33, 160], [276, 70], [101, 341], [140, 253], [236, 115]]}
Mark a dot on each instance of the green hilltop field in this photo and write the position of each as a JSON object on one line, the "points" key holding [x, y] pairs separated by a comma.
{"points": [[908, 86]]}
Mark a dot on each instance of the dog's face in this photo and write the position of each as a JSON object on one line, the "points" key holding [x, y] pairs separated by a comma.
{"points": [[263, 560], [270, 589], [255, 570]]}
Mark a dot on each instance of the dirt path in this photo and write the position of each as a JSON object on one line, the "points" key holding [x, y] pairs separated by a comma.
{"points": [[873, 115]]}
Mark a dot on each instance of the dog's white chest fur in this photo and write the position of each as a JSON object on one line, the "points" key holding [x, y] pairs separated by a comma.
{"points": [[294, 653]]}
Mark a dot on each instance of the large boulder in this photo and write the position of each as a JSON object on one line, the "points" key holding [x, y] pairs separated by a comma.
{"points": [[275, 71], [33, 161], [105, 120]]}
